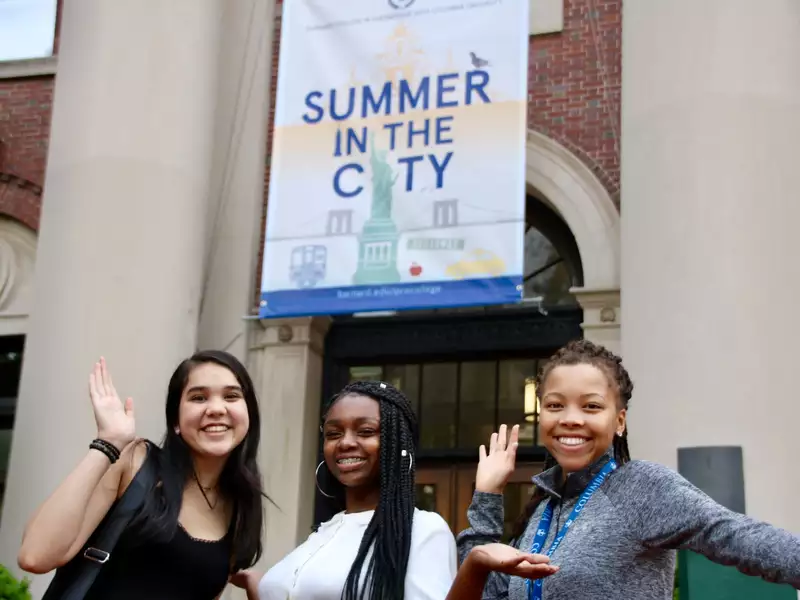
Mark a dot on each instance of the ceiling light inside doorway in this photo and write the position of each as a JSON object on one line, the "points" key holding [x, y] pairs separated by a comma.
{"points": [[531, 401]]}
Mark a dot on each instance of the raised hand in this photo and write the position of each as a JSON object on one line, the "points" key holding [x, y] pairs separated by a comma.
{"points": [[505, 559], [496, 466], [115, 422]]}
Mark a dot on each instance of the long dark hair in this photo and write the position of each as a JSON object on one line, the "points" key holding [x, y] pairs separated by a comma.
{"points": [[389, 531], [240, 480], [582, 352]]}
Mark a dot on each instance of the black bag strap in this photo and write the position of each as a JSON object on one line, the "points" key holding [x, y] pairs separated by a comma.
{"points": [[75, 579], [98, 548]]}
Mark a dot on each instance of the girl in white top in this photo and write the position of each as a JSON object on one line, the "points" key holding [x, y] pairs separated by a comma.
{"points": [[380, 541], [379, 546]]}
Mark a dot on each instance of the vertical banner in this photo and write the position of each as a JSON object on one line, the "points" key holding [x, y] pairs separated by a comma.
{"points": [[398, 168]]}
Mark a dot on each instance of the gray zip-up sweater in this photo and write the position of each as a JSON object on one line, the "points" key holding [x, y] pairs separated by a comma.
{"points": [[623, 543]]}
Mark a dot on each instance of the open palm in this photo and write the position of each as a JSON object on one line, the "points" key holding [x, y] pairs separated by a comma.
{"points": [[497, 465], [115, 422], [509, 560]]}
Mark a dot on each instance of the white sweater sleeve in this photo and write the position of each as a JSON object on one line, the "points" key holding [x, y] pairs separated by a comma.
{"points": [[432, 563]]}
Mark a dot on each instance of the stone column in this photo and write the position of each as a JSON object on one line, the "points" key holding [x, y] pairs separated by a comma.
{"points": [[710, 276], [122, 230], [237, 181], [286, 363], [601, 316]]}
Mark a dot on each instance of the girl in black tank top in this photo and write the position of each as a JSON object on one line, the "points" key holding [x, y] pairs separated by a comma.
{"points": [[151, 570], [202, 519]]}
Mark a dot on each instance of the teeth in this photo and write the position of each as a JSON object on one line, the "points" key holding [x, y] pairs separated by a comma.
{"points": [[216, 428], [349, 461], [571, 441]]}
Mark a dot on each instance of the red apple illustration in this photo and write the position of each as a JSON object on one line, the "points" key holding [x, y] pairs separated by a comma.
{"points": [[415, 270]]}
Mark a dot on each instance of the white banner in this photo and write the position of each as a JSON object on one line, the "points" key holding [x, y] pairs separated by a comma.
{"points": [[398, 166]]}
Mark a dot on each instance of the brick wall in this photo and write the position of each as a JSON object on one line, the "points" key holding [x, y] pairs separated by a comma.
{"points": [[574, 82], [25, 109]]}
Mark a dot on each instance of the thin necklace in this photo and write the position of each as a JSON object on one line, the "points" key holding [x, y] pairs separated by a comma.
{"points": [[203, 491]]}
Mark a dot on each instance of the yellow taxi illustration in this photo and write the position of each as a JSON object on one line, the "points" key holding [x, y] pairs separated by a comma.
{"points": [[480, 263]]}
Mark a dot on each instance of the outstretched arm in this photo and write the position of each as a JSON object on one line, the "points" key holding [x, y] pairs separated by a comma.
{"points": [[669, 512]]}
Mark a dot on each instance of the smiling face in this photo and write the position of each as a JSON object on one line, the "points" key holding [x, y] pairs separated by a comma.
{"points": [[352, 440], [212, 415], [580, 415]]}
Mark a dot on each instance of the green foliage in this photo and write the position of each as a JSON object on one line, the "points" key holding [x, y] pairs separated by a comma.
{"points": [[10, 588]]}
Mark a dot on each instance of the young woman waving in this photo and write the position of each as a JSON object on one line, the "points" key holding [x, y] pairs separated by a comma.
{"points": [[202, 519], [610, 524]]}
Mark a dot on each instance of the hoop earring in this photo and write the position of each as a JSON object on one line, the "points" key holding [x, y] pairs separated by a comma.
{"points": [[405, 453], [316, 479]]}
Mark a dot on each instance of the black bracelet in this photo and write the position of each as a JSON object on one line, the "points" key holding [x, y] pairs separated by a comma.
{"points": [[109, 450]]}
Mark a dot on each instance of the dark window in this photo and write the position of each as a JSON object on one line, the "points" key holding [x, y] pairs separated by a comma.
{"points": [[11, 348], [460, 404]]}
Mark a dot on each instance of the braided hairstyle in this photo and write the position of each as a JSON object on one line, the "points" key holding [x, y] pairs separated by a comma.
{"points": [[582, 352], [389, 531]]}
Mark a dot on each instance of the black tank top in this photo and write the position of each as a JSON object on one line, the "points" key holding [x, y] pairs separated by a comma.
{"points": [[185, 568]]}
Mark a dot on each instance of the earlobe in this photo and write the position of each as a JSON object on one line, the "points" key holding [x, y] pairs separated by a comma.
{"points": [[622, 422]]}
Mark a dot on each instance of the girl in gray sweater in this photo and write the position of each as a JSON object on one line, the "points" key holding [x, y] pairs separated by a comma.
{"points": [[611, 525]]}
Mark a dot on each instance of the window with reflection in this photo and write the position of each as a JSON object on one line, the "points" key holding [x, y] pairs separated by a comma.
{"points": [[552, 263], [460, 404]]}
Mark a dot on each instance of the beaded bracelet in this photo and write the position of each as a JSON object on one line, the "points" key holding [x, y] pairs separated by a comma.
{"points": [[109, 450]]}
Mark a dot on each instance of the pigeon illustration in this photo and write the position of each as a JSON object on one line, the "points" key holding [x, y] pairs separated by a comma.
{"points": [[478, 62]]}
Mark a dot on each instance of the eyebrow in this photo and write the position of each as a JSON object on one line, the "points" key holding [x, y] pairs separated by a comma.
{"points": [[201, 388], [359, 421], [582, 396]]}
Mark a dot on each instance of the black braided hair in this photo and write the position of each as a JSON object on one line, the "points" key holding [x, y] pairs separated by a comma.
{"points": [[582, 352], [389, 530]]}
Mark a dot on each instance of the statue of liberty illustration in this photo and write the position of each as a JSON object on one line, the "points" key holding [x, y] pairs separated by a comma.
{"points": [[377, 243]]}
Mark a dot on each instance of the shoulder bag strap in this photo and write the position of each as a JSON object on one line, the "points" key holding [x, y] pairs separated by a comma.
{"points": [[75, 579]]}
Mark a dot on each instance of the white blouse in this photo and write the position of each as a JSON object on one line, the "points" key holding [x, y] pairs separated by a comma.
{"points": [[318, 568]]}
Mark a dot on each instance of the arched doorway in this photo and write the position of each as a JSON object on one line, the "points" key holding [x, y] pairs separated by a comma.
{"points": [[566, 184]]}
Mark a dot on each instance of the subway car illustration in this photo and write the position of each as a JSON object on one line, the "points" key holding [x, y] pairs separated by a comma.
{"points": [[308, 265]]}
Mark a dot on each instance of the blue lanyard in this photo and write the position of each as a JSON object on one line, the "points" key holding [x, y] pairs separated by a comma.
{"points": [[535, 587]]}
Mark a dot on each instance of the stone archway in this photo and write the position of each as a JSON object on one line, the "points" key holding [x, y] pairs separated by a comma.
{"points": [[17, 260], [574, 192]]}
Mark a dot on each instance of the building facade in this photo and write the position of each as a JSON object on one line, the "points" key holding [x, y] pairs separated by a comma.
{"points": [[662, 177]]}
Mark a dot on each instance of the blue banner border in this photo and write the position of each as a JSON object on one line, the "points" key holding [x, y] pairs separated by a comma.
{"points": [[397, 296]]}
